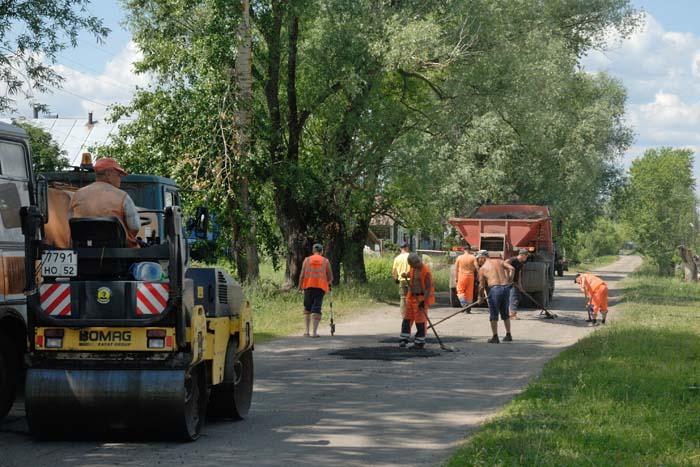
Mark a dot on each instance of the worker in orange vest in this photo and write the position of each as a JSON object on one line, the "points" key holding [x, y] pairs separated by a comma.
{"points": [[103, 198], [421, 294], [596, 291], [465, 270], [315, 280]]}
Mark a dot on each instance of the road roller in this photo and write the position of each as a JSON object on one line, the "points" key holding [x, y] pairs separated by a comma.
{"points": [[131, 340]]}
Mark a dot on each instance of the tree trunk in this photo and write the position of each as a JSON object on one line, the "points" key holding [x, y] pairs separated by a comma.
{"points": [[354, 257], [335, 247], [690, 267], [244, 84]]}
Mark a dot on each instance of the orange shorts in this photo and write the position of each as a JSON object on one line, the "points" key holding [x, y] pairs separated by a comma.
{"points": [[412, 313], [465, 287]]}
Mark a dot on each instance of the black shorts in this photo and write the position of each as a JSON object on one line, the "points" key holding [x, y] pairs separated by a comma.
{"points": [[313, 300], [498, 302]]}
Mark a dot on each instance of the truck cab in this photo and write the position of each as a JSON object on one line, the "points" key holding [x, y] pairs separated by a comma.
{"points": [[16, 191]]}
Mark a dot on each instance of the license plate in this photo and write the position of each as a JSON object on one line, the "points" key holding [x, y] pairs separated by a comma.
{"points": [[59, 263]]}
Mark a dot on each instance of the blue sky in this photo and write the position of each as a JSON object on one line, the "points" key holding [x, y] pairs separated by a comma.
{"points": [[659, 65]]}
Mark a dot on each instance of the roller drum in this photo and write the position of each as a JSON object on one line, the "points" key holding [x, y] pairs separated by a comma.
{"points": [[65, 402]]}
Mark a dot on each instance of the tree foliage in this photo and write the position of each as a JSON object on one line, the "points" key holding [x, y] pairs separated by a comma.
{"points": [[659, 204], [32, 33], [46, 154], [415, 110]]}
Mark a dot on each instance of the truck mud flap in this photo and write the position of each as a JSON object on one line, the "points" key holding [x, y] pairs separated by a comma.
{"points": [[80, 403]]}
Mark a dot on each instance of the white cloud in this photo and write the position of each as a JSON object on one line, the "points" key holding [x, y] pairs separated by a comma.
{"points": [[83, 91], [661, 71]]}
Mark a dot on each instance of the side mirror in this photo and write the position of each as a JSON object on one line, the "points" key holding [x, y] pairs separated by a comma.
{"points": [[199, 224], [42, 197]]}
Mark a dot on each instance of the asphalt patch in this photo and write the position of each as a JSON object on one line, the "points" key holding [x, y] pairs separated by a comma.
{"points": [[385, 353], [428, 340]]}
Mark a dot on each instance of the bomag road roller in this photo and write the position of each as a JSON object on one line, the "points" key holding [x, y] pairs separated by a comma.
{"points": [[130, 340]]}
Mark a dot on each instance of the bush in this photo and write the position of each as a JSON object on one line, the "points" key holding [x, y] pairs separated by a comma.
{"points": [[603, 239], [378, 268], [390, 247]]}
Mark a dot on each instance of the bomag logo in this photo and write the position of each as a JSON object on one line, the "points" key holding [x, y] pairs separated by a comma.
{"points": [[105, 338], [104, 295]]}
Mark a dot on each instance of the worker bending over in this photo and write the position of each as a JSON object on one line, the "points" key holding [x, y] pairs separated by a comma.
{"points": [[465, 271], [398, 269], [421, 294], [103, 198], [596, 291], [315, 280], [494, 277]]}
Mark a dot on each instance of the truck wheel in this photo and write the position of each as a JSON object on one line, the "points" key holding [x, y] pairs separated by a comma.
{"points": [[195, 403], [8, 374], [454, 299], [540, 299], [232, 398]]}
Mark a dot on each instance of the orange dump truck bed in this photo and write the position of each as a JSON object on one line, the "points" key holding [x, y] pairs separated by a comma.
{"points": [[504, 228]]}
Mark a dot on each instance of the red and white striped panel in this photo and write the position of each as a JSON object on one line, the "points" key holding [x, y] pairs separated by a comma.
{"points": [[151, 298], [55, 299]]}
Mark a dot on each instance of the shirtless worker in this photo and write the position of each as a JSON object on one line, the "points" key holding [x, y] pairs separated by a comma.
{"points": [[465, 270], [494, 277]]}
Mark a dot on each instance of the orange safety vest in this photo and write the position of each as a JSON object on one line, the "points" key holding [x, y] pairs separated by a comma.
{"points": [[100, 199], [591, 283], [315, 272], [429, 295]]}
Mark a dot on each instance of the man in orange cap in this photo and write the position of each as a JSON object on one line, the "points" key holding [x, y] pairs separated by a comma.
{"points": [[103, 198]]}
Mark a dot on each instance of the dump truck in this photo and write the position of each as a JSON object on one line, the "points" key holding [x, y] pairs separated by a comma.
{"points": [[130, 339], [503, 229], [17, 189]]}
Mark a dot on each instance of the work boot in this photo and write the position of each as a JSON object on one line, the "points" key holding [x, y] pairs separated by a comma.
{"points": [[605, 315], [418, 346], [594, 322], [508, 338], [402, 344], [494, 340]]}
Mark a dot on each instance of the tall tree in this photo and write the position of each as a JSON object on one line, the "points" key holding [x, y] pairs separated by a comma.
{"points": [[660, 204], [32, 33]]}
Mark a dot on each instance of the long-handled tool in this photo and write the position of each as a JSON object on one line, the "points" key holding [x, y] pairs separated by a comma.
{"points": [[466, 308], [442, 346], [331, 308], [547, 313]]}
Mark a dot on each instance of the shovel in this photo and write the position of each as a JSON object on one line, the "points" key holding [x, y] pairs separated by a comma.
{"points": [[547, 313], [442, 346], [466, 308]]}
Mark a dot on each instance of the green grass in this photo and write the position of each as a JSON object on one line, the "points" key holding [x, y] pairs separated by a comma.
{"points": [[278, 313], [629, 394], [596, 263]]}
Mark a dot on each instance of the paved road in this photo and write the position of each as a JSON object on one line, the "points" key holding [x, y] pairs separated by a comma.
{"points": [[313, 407]]}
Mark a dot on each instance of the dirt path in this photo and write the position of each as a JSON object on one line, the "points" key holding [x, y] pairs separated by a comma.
{"points": [[315, 407]]}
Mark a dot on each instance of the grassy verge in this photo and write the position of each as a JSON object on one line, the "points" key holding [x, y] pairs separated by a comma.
{"points": [[596, 263], [628, 394], [279, 313]]}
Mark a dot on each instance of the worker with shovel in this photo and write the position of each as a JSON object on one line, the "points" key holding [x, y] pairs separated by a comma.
{"points": [[596, 291], [399, 267], [315, 280], [494, 276], [420, 295], [517, 262]]}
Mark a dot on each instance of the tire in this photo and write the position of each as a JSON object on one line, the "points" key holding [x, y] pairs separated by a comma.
{"points": [[195, 403], [9, 366], [232, 398], [454, 299]]}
